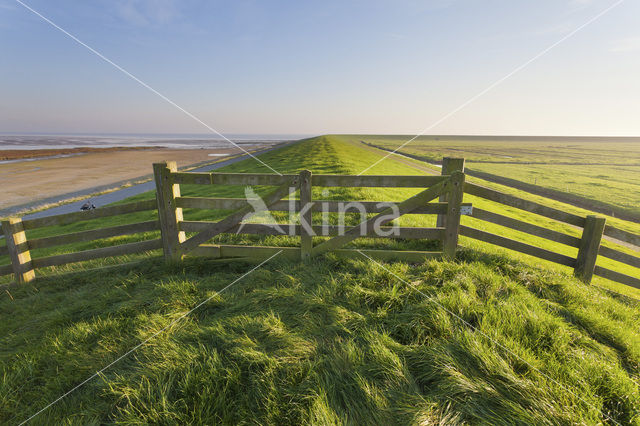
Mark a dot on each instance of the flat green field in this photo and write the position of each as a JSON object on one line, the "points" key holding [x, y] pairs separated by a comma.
{"points": [[605, 170]]}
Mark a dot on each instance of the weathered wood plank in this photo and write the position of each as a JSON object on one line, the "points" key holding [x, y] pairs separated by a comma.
{"points": [[81, 256], [318, 205], [293, 253], [6, 270], [622, 235], [389, 255], [517, 246], [192, 178], [64, 219], [317, 180], [387, 215], [449, 165], [250, 179], [377, 181], [617, 277], [525, 227], [250, 252], [452, 218], [235, 218], [619, 256], [168, 213], [306, 241], [247, 228], [589, 245], [259, 252], [206, 250], [404, 233], [220, 203], [18, 247], [94, 234], [519, 203]]}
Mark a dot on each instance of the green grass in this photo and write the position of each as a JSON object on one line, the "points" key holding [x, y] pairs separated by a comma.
{"points": [[491, 338], [603, 170], [327, 341]]}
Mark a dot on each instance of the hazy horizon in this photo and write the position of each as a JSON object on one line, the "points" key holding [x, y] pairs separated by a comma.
{"points": [[301, 136]]}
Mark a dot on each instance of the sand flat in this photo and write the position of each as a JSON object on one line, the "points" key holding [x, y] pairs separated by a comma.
{"points": [[29, 181]]}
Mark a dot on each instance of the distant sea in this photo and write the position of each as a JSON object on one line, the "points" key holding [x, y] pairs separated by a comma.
{"points": [[171, 141]]}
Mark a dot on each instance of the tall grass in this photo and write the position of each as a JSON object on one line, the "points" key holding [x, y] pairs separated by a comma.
{"points": [[326, 342]]}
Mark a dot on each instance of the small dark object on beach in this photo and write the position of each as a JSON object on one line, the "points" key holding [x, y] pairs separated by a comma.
{"points": [[88, 206]]}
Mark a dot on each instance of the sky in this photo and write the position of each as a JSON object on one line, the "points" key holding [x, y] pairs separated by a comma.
{"points": [[316, 67]]}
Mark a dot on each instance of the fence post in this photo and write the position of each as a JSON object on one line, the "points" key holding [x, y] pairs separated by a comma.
{"points": [[306, 241], [18, 250], [452, 219], [589, 246], [449, 165], [168, 213]]}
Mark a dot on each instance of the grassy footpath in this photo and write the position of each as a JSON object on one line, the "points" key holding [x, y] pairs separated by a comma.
{"points": [[491, 338]]}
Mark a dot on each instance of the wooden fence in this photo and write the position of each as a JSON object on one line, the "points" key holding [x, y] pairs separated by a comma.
{"points": [[450, 188], [175, 228], [18, 248], [588, 245]]}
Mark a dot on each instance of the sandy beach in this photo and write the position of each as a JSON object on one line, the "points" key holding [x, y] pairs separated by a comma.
{"points": [[29, 181], [22, 154]]}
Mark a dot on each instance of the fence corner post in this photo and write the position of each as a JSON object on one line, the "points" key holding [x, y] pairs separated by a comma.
{"points": [[454, 198], [589, 247], [449, 165], [18, 248], [306, 240], [169, 214], [452, 218]]}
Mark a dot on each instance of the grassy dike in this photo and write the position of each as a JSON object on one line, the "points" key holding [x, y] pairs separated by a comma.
{"points": [[602, 170], [491, 338]]}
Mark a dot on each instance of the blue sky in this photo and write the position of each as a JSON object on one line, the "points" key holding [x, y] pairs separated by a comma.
{"points": [[321, 66]]}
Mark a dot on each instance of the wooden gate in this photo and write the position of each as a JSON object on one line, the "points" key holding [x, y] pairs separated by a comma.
{"points": [[174, 227]]}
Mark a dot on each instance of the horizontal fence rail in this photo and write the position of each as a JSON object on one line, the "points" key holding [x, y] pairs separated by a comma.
{"points": [[19, 248], [405, 233], [589, 245], [617, 276], [621, 235], [81, 256], [94, 234], [258, 252], [526, 205], [525, 227], [329, 206], [65, 219], [351, 181], [619, 256], [518, 246]]}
